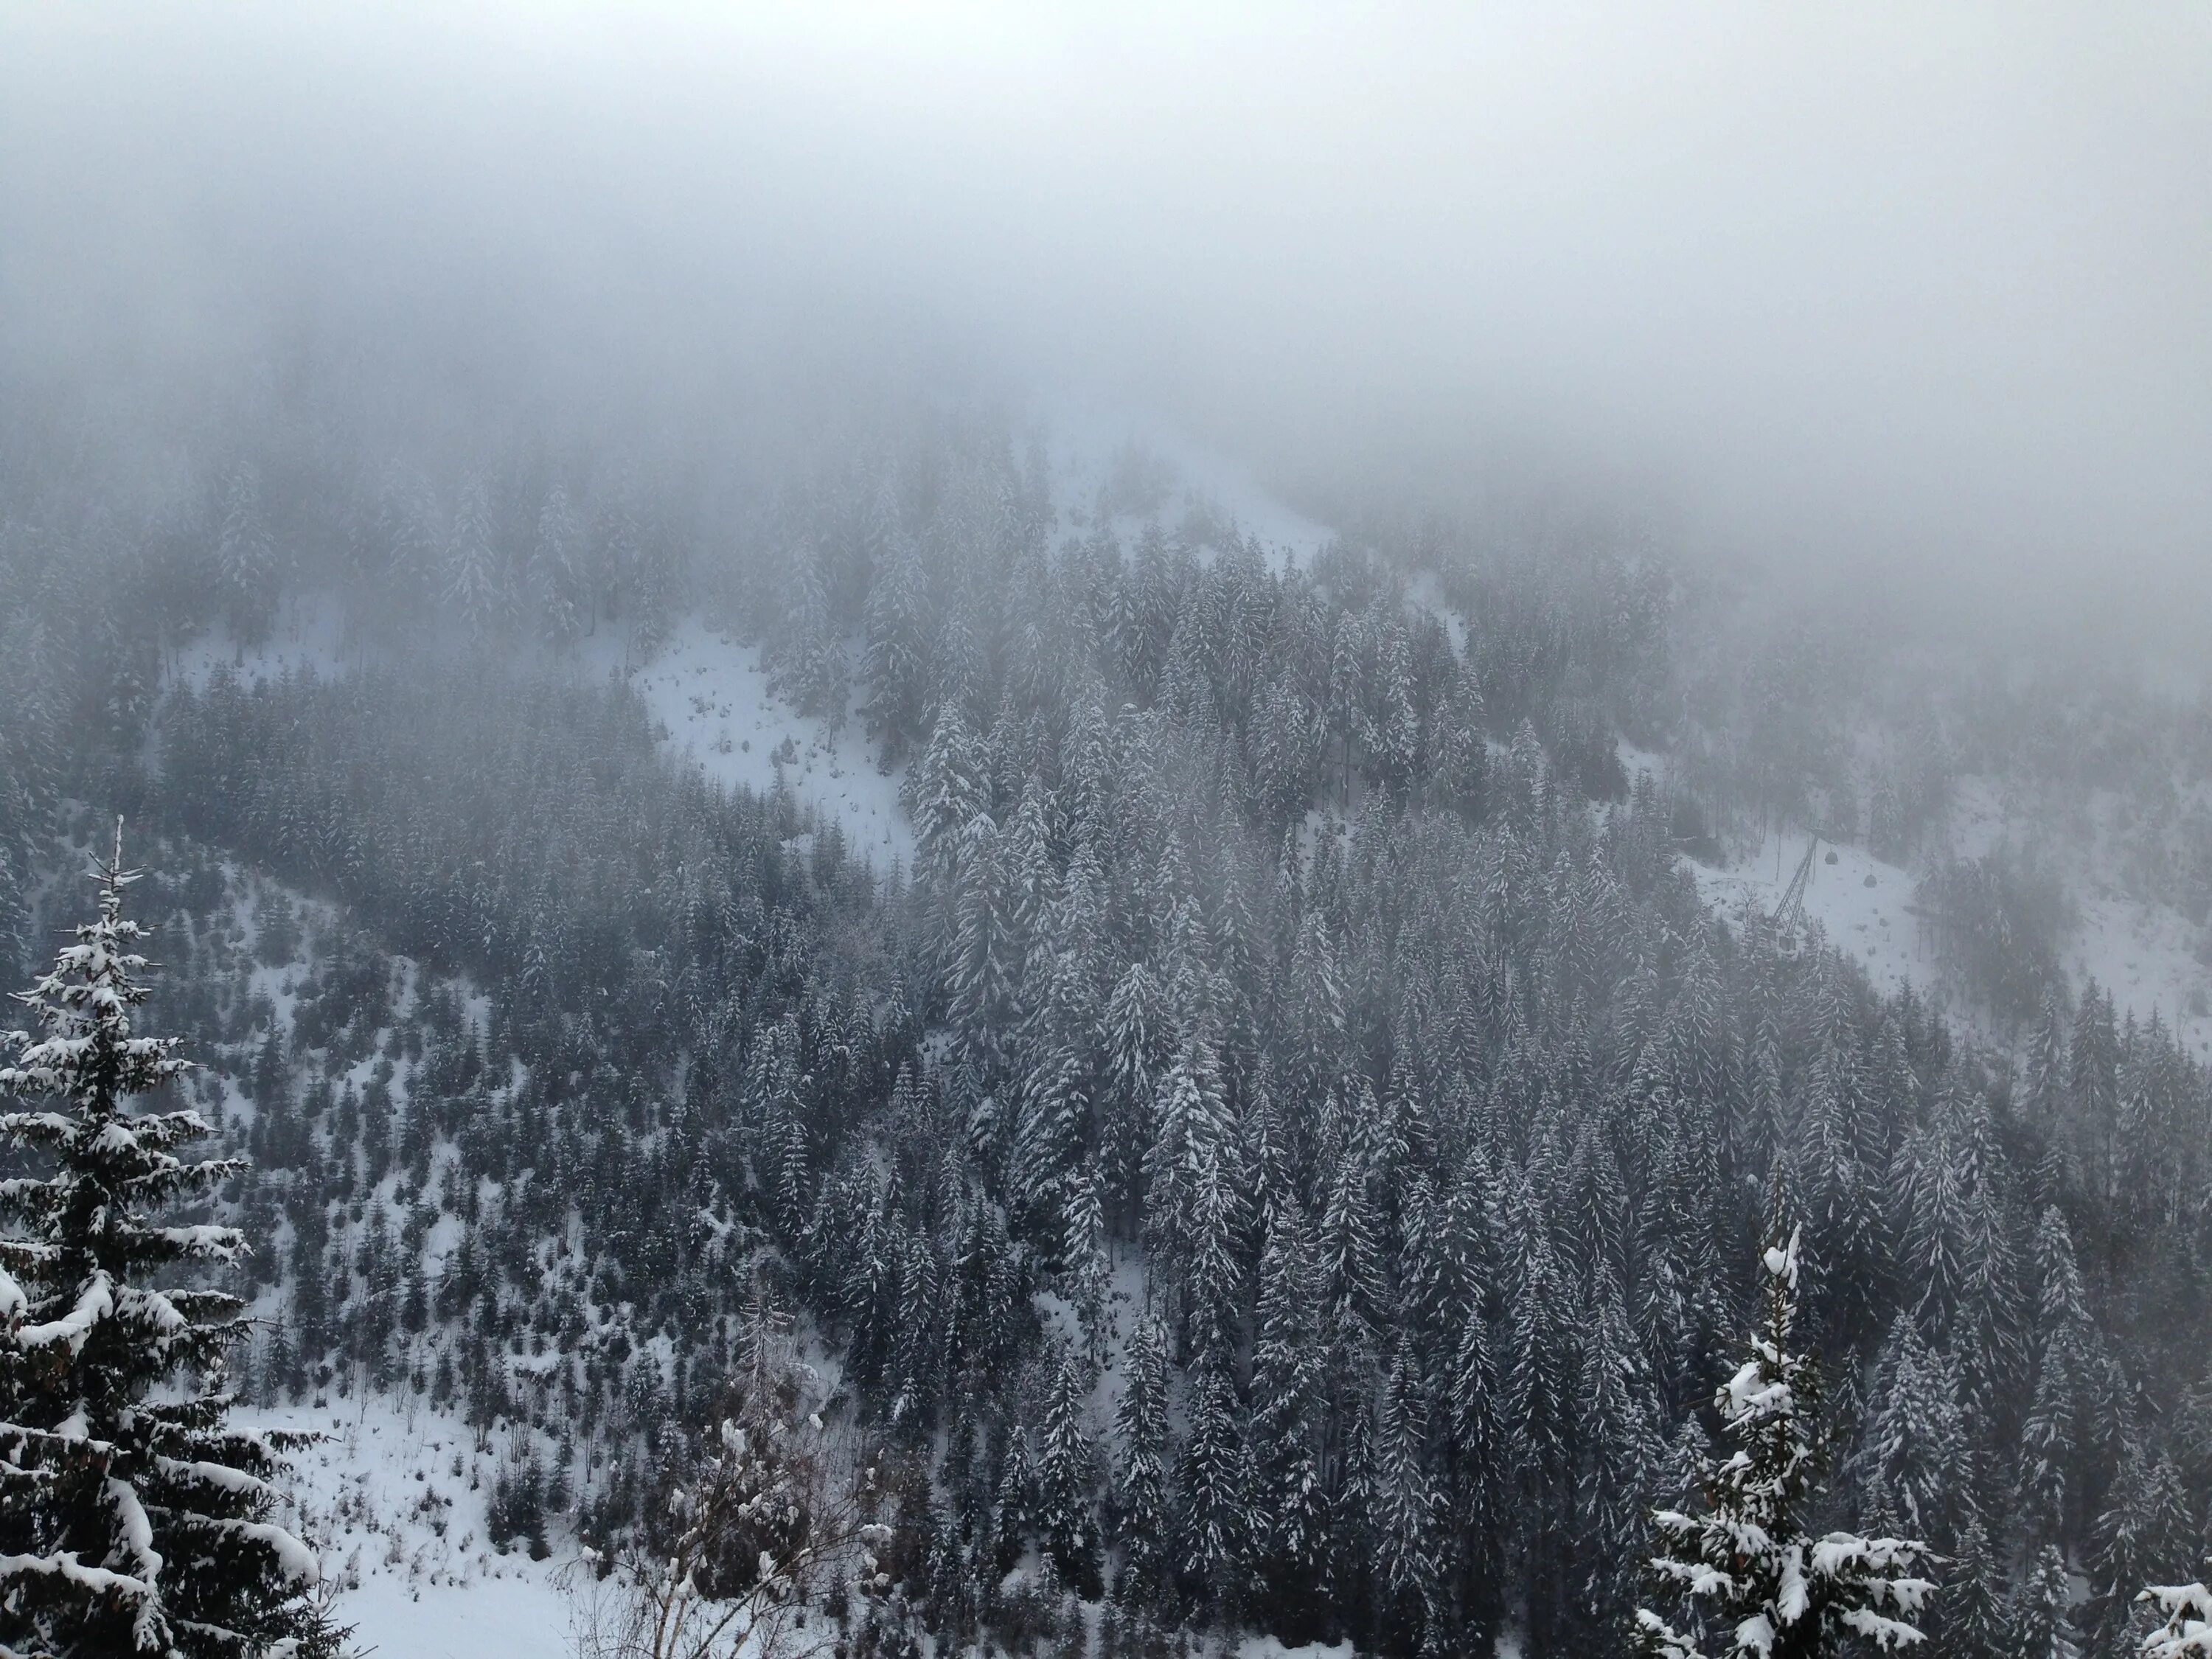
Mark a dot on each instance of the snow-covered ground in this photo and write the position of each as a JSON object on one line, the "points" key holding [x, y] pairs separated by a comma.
{"points": [[2144, 953], [1862, 904], [393, 1500], [309, 633], [710, 703], [710, 697]]}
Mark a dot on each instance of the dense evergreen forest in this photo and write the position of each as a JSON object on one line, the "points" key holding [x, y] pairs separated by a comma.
{"points": [[1290, 1151]]}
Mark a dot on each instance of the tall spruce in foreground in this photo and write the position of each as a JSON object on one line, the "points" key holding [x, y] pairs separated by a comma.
{"points": [[131, 1520], [1755, 1583]]}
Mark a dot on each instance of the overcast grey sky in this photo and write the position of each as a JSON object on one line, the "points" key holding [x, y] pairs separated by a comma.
{"points": [[1926, 284]]}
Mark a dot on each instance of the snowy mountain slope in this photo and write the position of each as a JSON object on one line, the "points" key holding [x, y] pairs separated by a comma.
{"points": [[394, 1495], [393, 1498], [309, 636], [708, 696], [2138, 946], [710, 700], [2142, 953], [1092, 446], [1862, 905]]}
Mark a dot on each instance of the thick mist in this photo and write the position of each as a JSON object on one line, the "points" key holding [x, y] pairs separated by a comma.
{"points": [[1920, 294], [1104, 830]]}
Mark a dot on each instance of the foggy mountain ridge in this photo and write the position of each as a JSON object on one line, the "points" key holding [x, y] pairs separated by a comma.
{"points": [[1044, 833]]}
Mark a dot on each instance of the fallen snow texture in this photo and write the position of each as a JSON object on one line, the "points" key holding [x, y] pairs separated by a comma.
{"points": [[710, 697], [512, 1618], [1873, 924], [404, 1538], [1268, 1647], [1085, 440]]}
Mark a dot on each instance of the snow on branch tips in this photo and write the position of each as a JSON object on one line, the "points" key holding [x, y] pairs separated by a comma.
{"points": [[1752, 1582], [131, 1521]]}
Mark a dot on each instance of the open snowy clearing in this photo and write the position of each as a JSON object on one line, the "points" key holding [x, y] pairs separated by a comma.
{"points": [[309, 635], [403, 1537], [2144, 953], [1862, 904], [710, 701], [394, 1500], [2141, 953]]}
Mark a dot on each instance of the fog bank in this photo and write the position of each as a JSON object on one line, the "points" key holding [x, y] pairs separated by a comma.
{"points": [[1919, 294]]}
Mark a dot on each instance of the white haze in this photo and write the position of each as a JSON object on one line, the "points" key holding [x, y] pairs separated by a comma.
{"points": [[1907, 290]]}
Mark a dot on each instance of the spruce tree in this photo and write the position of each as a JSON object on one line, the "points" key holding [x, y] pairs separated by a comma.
{"points": [[2042, 1611], [2143, 1534], [1214, 1525], [1618, 1455], [1970, 1621], [1067, 1476], [897, 650], [245, 559], [1917, 1439], [1141, 1497], [1409, 1576], [556, 574], [132, 1520], [1754, 1582], [1290, 1521]]}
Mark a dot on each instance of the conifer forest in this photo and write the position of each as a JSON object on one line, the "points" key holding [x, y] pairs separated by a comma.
{"points": [[705, 973]]}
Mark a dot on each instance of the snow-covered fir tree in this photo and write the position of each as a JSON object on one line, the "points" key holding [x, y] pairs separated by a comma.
{"points": [[2146, 1529], [246, 558], [1755, 1583], [558, 582], [133, 1519], [1067, 1476], [1141, 1497], [2042, 1625]]}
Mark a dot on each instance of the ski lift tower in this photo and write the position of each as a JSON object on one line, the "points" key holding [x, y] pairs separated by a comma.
{"points": [[1791, 910]]}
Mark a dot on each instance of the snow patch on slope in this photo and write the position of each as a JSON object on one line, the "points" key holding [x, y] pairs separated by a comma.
{"points": [[710, 701], [1269, 1647], [404, 1536], [2144, 952], [708, 696], [1863, 905], [309, 635]]}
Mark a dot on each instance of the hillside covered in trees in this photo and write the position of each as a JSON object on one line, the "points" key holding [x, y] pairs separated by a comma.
{"points": [[1290, 1151]]}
